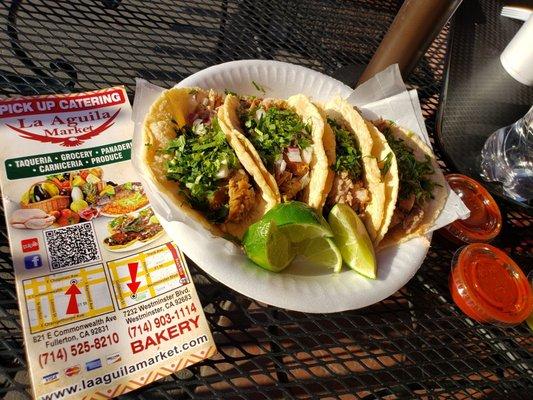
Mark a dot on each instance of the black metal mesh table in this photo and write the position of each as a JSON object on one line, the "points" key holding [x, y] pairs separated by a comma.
{"points": [[414, 344]]}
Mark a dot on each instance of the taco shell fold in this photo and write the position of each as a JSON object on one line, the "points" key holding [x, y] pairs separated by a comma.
{"points": [[312, 194], [380, 152], [171, 111], [431, 208], [342, 112]]}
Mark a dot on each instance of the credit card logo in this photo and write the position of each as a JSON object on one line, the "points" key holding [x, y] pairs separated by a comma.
{"points": [[75, 370], [113, 358], [93, 364], [54, 376]]}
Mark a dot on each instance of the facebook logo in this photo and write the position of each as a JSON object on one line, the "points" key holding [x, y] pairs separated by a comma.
{"points": [[33, 261]]}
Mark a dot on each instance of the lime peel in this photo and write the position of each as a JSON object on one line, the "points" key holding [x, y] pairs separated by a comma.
{"points": [[287, 230], [300, 221], [352, 240], [268, 247]]}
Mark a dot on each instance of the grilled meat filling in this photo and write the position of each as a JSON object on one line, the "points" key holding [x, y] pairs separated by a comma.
{"points": [[241, 196], [346, 191]]}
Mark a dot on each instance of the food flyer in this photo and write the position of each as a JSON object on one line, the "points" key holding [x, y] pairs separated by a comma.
{"points": [[106, 299]]}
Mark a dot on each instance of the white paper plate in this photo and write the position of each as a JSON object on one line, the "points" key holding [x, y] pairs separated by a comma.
{"points": [[300, 287]]}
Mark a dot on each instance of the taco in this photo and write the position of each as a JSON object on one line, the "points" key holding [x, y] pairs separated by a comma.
{"points": [[210, 177], [388, 169], [285, 137], [121, 199], [421, 193], [129, 229], [357, 181]]}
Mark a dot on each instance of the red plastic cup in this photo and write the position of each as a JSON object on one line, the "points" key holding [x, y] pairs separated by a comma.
{"points": [[485, 220], [489, 287]]}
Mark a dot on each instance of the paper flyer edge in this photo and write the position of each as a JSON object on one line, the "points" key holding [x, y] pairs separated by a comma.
{"points": [[19, 279]]}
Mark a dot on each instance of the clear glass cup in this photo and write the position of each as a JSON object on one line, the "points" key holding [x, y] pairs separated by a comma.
{"points": [[507, 157]]}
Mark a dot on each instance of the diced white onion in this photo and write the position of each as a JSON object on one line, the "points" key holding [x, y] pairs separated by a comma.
{"points": [[280, 165], [223, 172], [198, 127], [293, 154], [260, 112], [307, 154], [305, 180]]}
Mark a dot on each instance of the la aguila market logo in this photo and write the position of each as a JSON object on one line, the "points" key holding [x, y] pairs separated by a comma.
{"points": [[65, 131]]}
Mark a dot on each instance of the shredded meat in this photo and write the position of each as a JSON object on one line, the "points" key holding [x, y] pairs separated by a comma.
{"points": [[283, 177], [269, 103], [241, 196], [254, 102], [408, 214], [206, 106], [413, 219], [380, 124], [219, 198], [290, 188], [289, 184], [215, 100], [407, 204], [397, 217], [249, 102], [345, 191], [297, 168]]}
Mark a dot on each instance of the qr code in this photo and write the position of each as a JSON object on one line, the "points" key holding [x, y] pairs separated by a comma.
{"points": [[71, 245]]}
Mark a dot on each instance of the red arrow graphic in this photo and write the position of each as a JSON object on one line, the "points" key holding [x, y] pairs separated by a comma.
{"points": [[134, 284], [72, 307]]}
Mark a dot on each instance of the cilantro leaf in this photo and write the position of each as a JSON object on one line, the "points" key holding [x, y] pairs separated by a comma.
{"points": [[195, 162], [385, 164], [258, 87], [348, 154], [275, 130], [414, 174]]}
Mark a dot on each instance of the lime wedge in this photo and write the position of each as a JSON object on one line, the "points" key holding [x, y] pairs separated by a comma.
{"points": [[321, 251], [267, 246], [352, 240], [298, 221], [302, 232]]}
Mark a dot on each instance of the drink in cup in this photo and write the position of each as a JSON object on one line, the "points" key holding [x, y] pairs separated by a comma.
{"points": [[507, 157]]}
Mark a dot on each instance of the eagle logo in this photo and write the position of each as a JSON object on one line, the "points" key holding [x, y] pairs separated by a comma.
{"points": [[67, 141]]}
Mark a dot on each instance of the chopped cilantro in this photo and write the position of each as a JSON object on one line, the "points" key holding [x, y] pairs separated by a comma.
{"points": [[258, 87], [227, 91], [348, 154], [274, 131], [385, 164], [196, 161], [414, 174]]}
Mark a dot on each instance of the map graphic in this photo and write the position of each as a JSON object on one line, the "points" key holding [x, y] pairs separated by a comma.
{"points": [[146, 275], [59, 299]]}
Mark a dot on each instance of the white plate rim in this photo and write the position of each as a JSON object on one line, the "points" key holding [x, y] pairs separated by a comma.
{"points": [[415, 250]]}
